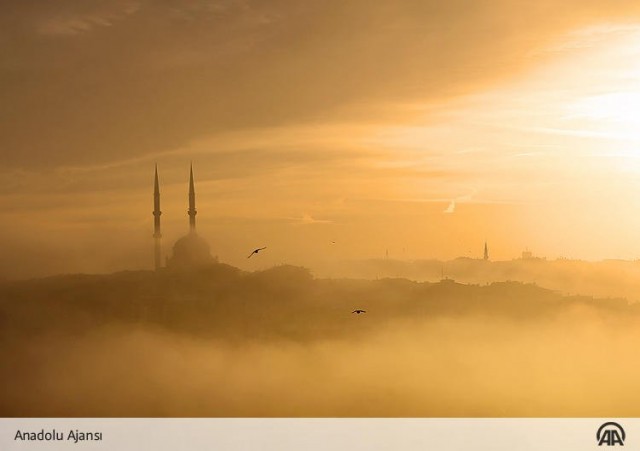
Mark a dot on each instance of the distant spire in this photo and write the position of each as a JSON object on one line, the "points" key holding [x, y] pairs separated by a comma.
{"points": [[192, 201], [486, 251], [156, 221]]}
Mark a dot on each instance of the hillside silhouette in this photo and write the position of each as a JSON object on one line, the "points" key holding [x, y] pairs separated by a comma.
{"points": [[606, 278], [282, 302], [219, 341]]}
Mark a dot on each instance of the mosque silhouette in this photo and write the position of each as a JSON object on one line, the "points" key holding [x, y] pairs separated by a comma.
{"points": [[191, 250]]}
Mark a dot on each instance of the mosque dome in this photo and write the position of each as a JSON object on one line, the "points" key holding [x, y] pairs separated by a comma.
{"points": [[190, 251]]}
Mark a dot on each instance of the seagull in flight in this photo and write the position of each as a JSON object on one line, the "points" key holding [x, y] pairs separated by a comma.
{"points": [[255, 251], [358, 311]]}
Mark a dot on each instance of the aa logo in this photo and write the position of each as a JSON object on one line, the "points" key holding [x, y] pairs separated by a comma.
{"points": [[610, 434]]}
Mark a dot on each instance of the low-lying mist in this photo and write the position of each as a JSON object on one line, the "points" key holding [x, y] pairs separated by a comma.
{"points": [[606, 278], [420, 350]]}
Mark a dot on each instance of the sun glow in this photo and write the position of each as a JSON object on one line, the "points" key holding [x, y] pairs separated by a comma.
{"points": [[583, 104], [614, 115], [563, 141]]}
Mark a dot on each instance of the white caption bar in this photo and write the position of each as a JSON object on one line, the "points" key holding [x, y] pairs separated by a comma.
{"points": [[309, 434]]}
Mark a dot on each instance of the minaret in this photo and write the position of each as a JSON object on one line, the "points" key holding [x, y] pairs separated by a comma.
{"points": [[192, 203], [156, 222], [486, 251]]}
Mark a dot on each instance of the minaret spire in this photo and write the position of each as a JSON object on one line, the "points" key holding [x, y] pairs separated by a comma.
{"points": [[156, 221], [486, 251], [192, 202]]}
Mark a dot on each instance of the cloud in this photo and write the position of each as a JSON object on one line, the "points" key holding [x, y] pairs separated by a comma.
{"points": [[307, 219], [218, 66], [71, 24], [451, 208]]}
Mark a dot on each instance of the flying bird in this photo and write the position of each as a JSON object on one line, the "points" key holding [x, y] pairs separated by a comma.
{"points": [[358, 311], [255, 251]]}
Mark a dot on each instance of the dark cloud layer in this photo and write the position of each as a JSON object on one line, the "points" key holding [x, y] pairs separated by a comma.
{"points": [[93, 83]]}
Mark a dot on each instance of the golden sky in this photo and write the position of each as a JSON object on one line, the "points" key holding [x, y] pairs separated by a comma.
{"points": [[421, 127]]}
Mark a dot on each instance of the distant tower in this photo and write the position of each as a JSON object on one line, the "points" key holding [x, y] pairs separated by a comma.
{"points": [[156, 222], [486, 251], [192, 202]]}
